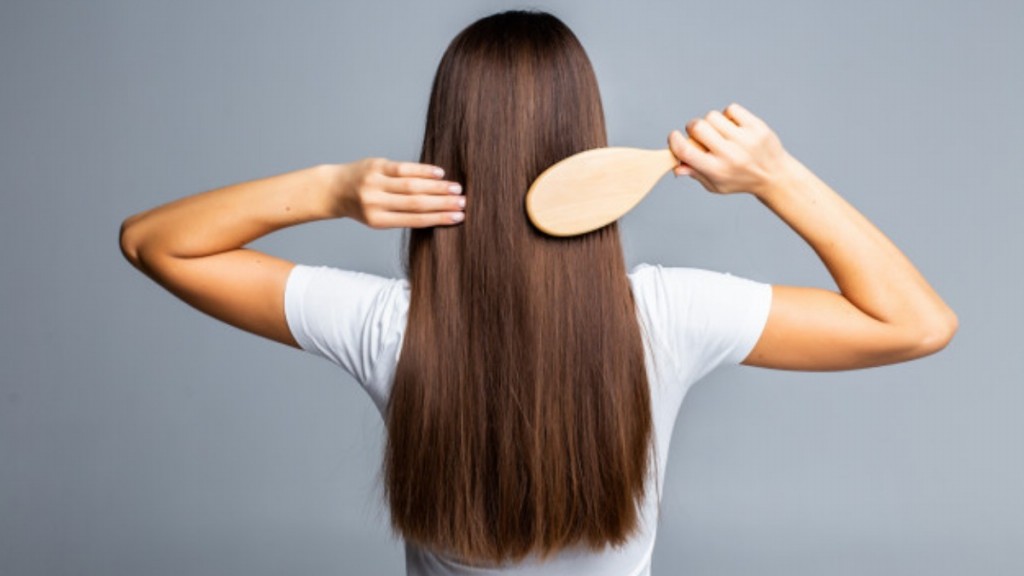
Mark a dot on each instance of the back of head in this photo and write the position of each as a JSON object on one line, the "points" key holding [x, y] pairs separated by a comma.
{"points": [[519, 418]]}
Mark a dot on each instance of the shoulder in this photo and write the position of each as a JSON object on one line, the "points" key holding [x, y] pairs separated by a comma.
{"points": [[655, 284], [354, 319], [328, 289], [323, 277], [705, 316]]}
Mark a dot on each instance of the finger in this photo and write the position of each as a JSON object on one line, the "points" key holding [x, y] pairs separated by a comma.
{"points": [[701, 130], [676, 138], [423, 203], [402, 185], [682, 170], [741, 116], [703, 181], [726, 127], [417, 220], [689, 151], [411, 169]]}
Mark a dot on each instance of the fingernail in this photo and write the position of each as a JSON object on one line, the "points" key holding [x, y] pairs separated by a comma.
{"points": [[455, 188], [458, 216], [462, 202], [438, 172]]}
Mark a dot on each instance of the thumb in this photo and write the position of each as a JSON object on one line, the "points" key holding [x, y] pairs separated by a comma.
{"points": [[675, 145], [676, 142]]}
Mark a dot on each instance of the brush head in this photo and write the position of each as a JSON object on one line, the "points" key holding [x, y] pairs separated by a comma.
{"points": [[594, 188]]}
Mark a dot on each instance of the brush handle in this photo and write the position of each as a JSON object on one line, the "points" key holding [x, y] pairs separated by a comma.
{"points": [[670, 160]]}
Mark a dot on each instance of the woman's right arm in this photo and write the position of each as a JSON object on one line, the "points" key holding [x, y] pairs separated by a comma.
{"points": [[885, 311]]}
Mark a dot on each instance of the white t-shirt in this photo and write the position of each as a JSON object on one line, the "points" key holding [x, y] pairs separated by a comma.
{"points": [[692, 321]]}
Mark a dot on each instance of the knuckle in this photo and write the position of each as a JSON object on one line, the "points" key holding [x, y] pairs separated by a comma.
{"points": [[367, 177]]}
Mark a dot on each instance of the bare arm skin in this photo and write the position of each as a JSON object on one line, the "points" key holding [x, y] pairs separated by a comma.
{"points": [[885, 311], [194, 246]]}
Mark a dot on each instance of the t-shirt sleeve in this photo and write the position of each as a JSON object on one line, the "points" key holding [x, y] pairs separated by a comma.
{"points": [[703, 318], [347, 317]]}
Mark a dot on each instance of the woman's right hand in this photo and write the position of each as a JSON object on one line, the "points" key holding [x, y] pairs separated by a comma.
{"points": [[384, 193], [730, 151]]}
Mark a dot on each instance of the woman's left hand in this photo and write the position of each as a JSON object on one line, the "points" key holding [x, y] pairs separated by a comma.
{"points": [[384, 193]]}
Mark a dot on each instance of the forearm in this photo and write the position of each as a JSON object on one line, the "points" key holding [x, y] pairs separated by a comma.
{"points": [[227, 218], [870, 271]]}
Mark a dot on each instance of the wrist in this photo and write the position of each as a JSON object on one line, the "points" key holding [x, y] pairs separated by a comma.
{"points": [[790, 177], [333, 179]]}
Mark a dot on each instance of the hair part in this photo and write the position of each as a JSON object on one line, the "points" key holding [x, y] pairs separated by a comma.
{"points": [[519, 419]]}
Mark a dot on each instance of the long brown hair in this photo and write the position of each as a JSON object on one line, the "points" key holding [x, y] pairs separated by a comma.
{"points": [[519, 420]]}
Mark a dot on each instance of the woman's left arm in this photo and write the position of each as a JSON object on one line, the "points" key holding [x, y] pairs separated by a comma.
{"points": [[194, 246]]}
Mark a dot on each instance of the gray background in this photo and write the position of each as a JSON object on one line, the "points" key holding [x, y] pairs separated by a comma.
{"points": [[138, 436]]}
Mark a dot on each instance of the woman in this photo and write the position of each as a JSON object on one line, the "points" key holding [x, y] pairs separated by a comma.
{"points": [[530, 384]]}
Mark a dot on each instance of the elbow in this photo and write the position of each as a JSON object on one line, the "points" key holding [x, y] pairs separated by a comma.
{"points": [[129, 243], [936, 333]]}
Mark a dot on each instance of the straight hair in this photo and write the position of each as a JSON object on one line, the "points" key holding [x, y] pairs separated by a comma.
{"points": [[519, 418]]}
